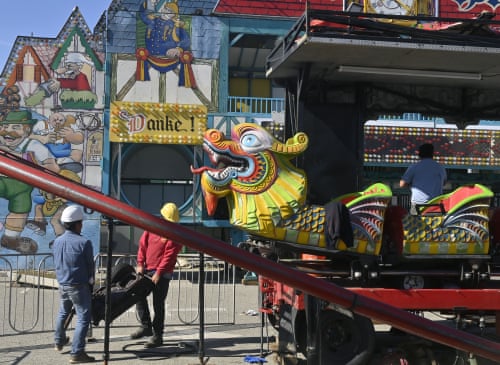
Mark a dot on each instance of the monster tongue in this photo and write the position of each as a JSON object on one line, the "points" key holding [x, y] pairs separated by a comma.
{"points": [[211, 201], [199, 170]]}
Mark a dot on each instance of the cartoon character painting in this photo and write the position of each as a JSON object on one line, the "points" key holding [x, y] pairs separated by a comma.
{"points": [[51, 109], [49, 205], [62, 135], [166, 43], [15, 130], [73, 84], [57, 141]]}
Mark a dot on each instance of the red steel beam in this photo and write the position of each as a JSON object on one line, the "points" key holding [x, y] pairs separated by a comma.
{"points": [[436, 299], [368, 307]]}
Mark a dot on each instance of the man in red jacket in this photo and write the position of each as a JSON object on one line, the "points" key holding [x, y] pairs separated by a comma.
{"points": [[156, 257]]}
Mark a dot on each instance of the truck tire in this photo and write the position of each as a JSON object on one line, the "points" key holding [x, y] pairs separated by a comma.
{"points": [[345, 339]]}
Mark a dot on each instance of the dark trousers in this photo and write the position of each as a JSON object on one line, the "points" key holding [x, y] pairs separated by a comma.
{"points": [[159, 293]]}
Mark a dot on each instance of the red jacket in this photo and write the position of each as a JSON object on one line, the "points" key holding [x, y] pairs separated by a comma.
{"points": [[157, 253]]}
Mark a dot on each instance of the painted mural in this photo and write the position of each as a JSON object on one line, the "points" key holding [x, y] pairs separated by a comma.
{"points": [[165, 80], [168, 61], [165, 52], [51, 114], [163, 42]]}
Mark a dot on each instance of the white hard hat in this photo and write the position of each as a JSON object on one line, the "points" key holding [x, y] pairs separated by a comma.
{"points": [[170, 212], [73, 213]]}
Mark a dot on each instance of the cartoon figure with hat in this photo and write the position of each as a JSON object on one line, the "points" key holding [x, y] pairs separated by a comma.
{"points": [[50, 205], [167, 43], [63, 137], [70, 78], [14, 138]]}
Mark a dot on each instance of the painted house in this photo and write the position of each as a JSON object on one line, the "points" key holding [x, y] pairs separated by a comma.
{"points": [[123, 108], [51, 113]]}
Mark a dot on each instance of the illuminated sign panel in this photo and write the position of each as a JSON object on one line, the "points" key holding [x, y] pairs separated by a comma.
{"points": [[452, 147], [134, 122]]}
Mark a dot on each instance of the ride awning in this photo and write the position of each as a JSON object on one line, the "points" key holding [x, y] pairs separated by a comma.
{"points": [[338, 47]]}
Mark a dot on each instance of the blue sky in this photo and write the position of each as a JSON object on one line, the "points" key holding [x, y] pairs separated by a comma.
{"points": [[42, 19]]}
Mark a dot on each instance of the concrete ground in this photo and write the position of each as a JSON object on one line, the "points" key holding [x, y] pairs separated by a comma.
{"points": [[238, 343], [247, 341], [229, 344]]}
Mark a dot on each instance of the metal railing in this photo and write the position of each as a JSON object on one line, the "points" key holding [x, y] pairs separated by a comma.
{"points": [[29, 298], [253, 105]]}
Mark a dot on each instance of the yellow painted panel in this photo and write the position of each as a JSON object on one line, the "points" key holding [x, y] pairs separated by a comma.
{"points": [[136, 122]]}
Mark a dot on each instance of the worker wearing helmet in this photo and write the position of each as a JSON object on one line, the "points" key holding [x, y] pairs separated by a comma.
{"points": [[156, 257], [74, 264]]}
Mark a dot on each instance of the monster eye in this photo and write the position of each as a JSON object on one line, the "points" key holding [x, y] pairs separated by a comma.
{"points": [[254, 141], [250, 140]]}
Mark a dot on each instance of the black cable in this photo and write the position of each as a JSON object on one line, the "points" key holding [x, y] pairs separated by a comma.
{"points": [[162, 352]]}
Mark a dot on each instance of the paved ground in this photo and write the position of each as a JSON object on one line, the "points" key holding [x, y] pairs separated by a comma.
{"points": [[222, 345], [239, 343]]}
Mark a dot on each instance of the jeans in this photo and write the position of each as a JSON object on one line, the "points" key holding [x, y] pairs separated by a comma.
{"points": [[159, 292], [80, 298]]}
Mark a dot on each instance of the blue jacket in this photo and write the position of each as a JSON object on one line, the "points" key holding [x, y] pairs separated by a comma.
{"points": [[73, 259]]}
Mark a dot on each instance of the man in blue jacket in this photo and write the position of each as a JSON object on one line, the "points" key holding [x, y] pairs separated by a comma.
{"points": [[74, 263]]}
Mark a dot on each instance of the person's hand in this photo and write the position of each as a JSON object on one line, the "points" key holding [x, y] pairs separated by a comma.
{"points": [[51, 137], [54, 86], [156, 278], [139, 269], [173, 53], [65, 132]]}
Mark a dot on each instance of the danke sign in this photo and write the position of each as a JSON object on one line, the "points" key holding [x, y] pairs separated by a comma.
{"points": [[134, 122]]}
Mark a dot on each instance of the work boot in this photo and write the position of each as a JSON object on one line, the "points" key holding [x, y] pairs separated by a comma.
{"points": [[59, 347], [81, 358], [154, 341], [141, 332], [19, 244]]}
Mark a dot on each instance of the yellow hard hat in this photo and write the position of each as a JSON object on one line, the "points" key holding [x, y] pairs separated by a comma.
{"points": [[170, 212]]}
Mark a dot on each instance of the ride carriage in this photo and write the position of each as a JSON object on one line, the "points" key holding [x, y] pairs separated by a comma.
{"points": [[266, 197]]}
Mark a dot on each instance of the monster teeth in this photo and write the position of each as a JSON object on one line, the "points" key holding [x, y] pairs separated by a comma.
{"points": [[223, 173]]}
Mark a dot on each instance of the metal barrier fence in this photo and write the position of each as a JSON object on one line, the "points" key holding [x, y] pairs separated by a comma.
{"points": [[29, 298]]}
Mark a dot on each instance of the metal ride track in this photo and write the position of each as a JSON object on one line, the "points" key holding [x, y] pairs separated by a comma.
{"points": [[353, 301]]}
